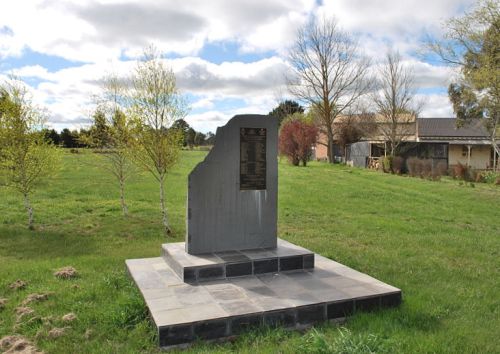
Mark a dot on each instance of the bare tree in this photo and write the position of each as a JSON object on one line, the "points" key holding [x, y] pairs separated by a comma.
{"points": [[156, 104], [328, 73], [395, 102], [111, 133]]}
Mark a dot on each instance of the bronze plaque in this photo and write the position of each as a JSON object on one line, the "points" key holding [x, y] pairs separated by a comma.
{"points": [[252, 158]]}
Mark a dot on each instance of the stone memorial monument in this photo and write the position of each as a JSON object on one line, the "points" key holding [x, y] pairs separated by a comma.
{"points": [[233, 272]]}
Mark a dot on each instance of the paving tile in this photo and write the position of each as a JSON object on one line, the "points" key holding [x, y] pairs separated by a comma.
{"points": [[246, 282], [358, 291], [188, 314], [227, 294], [260, 254], [242, 307], [165, 303], [268, 303], [330, 294]]}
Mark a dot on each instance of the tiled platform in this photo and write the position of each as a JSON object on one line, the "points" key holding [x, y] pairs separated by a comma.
{"points": [[221, 308], [221, 265]]}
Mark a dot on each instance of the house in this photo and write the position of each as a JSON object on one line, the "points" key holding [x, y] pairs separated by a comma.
{"points": [[438, 139]]}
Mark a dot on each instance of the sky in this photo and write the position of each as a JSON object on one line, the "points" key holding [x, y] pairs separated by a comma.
{"points": [[229, 57]]}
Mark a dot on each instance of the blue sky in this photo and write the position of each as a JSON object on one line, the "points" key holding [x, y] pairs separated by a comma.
{"points": [[229, 57]]}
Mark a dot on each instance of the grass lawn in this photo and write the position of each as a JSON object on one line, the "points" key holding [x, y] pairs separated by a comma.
{"points": [[437, 241]]}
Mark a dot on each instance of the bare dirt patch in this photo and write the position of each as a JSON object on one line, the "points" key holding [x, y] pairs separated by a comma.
{"points": [[35, 297], [66, 273], [23, 312], [57, 332], [17, 344], [18, 285], [69, 317]]}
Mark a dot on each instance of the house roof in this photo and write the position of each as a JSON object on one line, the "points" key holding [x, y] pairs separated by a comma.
{"points": [[431, 128]]}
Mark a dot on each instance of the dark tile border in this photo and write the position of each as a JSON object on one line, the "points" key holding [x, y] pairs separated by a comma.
{"points": [[238, 269], [211, 329], [291, 263]]}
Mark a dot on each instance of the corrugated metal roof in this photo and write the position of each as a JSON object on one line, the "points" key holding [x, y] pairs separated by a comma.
{"points": [[447, 128]]}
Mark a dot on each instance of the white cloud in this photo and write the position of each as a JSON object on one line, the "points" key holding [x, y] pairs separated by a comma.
{"points": [[435, 106], [101, 32]]}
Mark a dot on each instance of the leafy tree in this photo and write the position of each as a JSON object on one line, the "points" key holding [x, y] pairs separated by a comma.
{"points": [[210, 139], [26, 156], [69, 138], [184, 127], [199, 139], [52, 136], [190, 136], [284, 109], [156, 104], [297, 136], [328, 72], [472, 43], [112, 134]]}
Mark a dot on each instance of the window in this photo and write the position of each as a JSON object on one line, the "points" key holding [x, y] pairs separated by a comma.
{"points": [[465, 151]]}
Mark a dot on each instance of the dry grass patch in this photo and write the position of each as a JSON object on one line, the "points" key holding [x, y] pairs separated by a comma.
{"points": [[3, 302]]}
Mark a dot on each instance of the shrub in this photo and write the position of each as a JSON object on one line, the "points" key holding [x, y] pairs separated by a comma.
{"points": [[442, 168], [490, 177], [397, 164], [387, 163], [296, 140], [459, 171], [426, 168], [411, 164], [439, 170]]}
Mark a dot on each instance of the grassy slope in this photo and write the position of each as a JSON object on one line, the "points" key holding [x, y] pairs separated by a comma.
{"points": [[437, 241]]}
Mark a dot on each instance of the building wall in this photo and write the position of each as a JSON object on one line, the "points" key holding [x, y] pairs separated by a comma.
{"points": [[321, 152], [479, 157]]}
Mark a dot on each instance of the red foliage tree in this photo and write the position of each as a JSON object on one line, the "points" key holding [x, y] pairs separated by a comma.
{"points": [[296, 140]]}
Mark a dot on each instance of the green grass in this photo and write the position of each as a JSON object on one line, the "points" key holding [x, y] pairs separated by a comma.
{"points": [[437, 241]]}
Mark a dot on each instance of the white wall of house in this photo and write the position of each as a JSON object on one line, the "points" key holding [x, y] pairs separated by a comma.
{"points": [[479, 155]]}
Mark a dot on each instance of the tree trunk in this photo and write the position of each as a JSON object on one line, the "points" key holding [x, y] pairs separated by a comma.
{"points": [[122, 198], [330, 147], [166, 227], [29, 210]]}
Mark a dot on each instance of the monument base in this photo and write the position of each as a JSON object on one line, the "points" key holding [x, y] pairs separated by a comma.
{"points": [[229, 264], [221, 308]]}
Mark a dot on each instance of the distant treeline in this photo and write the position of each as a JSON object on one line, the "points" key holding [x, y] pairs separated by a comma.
{"points": [[75, 138]]}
